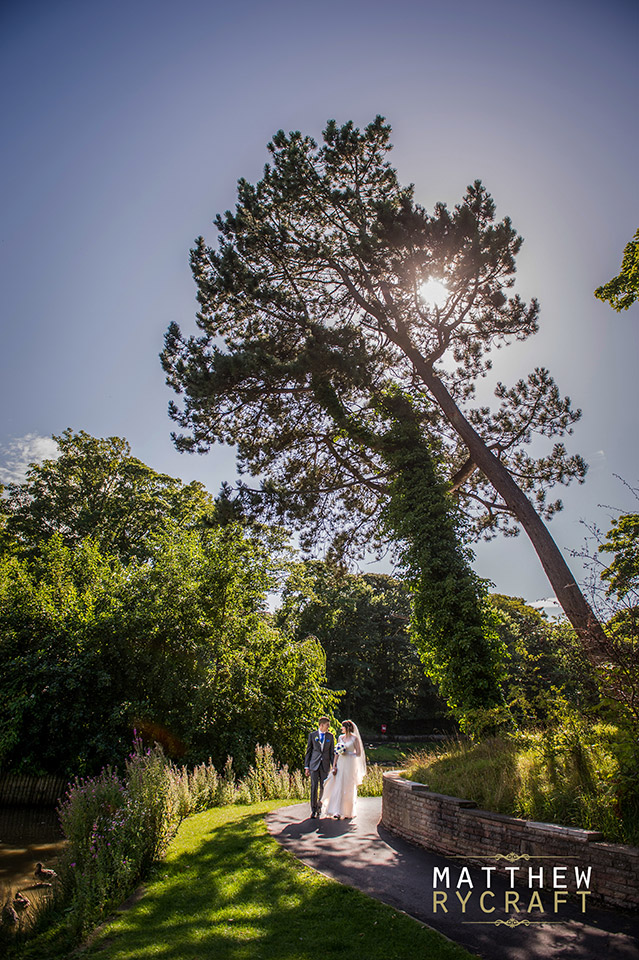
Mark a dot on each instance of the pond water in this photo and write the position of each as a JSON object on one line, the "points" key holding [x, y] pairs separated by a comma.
{"points": [[27, 834]]}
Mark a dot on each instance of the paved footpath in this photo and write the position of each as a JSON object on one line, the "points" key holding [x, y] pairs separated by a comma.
{"points": [[363, 854]]}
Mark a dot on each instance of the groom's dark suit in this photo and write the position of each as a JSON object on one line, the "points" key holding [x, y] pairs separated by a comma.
{"points": [[319, 760]]}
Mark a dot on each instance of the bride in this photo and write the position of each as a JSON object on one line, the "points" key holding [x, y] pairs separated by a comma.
{"points": [[349, 768]]}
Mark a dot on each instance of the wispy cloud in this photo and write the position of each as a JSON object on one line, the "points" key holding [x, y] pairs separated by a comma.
{"points": [[19, 453], [597, 460], [547, 604]]}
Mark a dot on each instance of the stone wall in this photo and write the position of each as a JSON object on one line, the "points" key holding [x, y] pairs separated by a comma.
{"points": [[452, 826]]}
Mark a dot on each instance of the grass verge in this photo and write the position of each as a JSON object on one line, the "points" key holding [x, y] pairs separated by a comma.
{"points": [[228, 891]]}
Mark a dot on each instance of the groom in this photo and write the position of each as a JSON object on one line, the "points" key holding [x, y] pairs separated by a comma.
{"points": [[320, 752]]}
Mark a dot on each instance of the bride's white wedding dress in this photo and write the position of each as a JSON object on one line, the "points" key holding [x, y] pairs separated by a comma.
{"points": [[340, 790]]}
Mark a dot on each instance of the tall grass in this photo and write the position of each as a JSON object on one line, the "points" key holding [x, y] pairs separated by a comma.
{"points": [[569, 775], [373, 781], [482, 772]]}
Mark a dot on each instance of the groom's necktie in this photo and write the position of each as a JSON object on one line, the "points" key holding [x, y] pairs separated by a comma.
{"points": [[322, 739]]}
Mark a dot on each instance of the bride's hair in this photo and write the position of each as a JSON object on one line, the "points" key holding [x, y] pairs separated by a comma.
{"points": [[349, 725]]}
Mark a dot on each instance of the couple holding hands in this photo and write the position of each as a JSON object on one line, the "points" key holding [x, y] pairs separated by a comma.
{"points": [[336, 769]]}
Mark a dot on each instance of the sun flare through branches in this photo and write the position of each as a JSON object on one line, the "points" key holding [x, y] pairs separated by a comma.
{"points": [[433, 292]]}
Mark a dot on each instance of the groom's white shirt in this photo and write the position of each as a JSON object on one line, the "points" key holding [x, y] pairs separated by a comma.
{"points": [[321, 742]]}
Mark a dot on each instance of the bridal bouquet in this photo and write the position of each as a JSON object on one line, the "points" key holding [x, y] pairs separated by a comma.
{"points": [[340, 749]]}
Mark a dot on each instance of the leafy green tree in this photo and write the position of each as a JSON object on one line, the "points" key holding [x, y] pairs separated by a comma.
{"points": [[61, 665], [623, 290], [6, 540], [459, 648], [614, 587], [545, 662], [620, 670], [178, 644], [361, 621], [313, 294], [96, 488], [622, 540]]}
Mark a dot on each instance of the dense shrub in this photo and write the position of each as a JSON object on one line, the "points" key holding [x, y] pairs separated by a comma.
{"points": [[361, 621], [179, 645]]}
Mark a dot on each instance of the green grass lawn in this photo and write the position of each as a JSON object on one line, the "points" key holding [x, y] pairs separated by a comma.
{"points": [[228, 891]]}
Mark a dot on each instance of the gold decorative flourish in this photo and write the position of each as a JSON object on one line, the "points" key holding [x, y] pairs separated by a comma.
{"points": [[512, 856], [511, 922]]}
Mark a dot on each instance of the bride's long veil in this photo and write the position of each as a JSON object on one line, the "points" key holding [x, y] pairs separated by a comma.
{"points": [[360, 767]]}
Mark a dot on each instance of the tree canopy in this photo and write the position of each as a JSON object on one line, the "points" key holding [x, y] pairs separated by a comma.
{"points": [[545, 663], [623, 290], [312, 316], [361, 621], [96, 489], [622, 540], [157, 620]]}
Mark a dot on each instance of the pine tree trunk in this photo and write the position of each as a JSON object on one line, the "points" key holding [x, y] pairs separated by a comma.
{"points": [[566, 589]]}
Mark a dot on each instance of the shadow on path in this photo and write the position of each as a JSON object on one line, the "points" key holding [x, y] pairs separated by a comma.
{"points": [[364, 855]]}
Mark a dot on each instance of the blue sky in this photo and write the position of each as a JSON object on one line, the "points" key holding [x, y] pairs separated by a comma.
{"points": [[127, 126]]}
